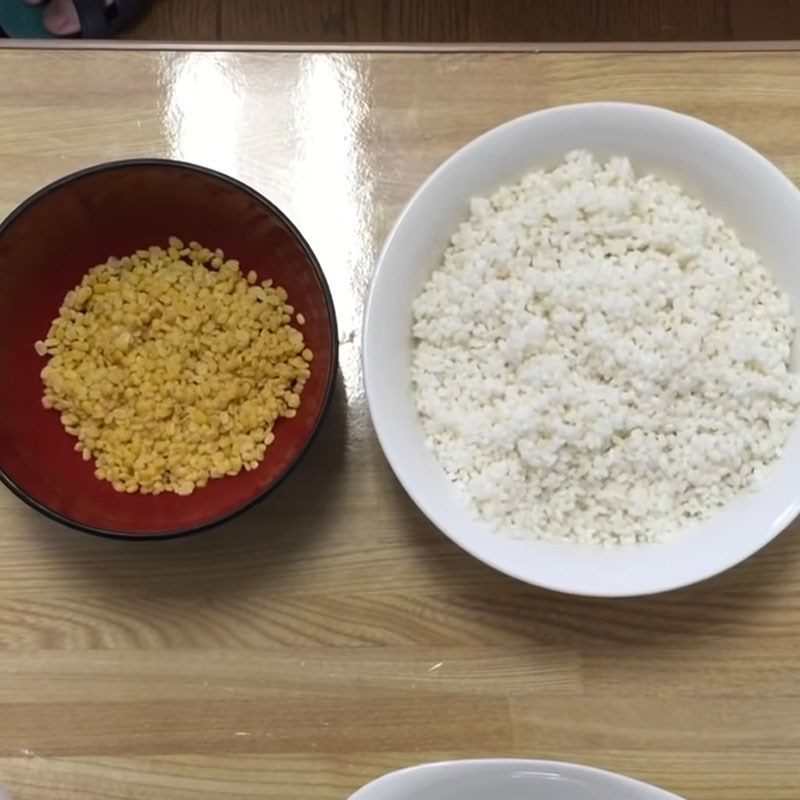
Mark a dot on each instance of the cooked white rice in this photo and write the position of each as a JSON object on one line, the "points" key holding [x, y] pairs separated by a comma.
{"points": [[599, 358]]}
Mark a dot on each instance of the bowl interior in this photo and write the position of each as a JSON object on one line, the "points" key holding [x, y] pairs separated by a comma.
{"points": [[732, 179], [45, 248]]}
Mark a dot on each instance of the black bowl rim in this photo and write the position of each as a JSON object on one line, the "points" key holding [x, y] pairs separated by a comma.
{"points": [[329, 389]]}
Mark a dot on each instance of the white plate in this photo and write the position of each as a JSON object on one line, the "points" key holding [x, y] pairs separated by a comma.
{"points": [[732, 179], [507, 779]]}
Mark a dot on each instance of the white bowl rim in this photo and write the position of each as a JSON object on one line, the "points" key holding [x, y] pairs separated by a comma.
{"points": [[755, 543], [367, 792]]}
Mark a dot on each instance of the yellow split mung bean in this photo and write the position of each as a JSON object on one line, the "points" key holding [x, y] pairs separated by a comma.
{"points": [[171, 367]]}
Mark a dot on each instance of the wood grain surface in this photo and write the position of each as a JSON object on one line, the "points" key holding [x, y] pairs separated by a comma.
{"points": [[468, 20], [179, 20], [331, 634], [298, 20]]}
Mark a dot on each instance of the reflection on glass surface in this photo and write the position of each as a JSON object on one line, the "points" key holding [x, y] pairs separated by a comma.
{"points": [[299, 132], [332, 187], [205, 111]]}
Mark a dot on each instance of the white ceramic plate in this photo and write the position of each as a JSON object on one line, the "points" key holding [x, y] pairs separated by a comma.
{"points": [[507, 779], [732, 179]]}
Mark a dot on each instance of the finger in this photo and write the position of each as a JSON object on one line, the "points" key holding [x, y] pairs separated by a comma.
{"points": [[61, 18]]}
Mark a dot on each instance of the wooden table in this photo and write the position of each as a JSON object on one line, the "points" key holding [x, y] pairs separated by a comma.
{"points": [[332, 634]]}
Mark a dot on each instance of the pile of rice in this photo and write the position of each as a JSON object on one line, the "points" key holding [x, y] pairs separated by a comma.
{"points": [[599, 359]]}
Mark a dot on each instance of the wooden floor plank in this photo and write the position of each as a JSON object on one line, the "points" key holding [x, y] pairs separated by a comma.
{"points": [[468, 20], [598, 20], [363, 22], [767, 19], [179, 20], [281, 20], [424, 21]]}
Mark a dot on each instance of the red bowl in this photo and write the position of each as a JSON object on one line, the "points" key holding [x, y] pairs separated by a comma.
{"points": [[46, 246]]}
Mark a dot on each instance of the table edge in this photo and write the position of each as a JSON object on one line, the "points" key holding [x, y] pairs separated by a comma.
{"points": [[410, 48]]}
